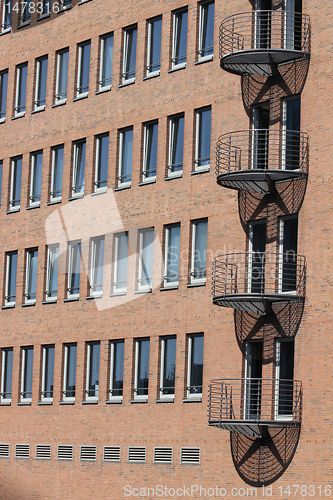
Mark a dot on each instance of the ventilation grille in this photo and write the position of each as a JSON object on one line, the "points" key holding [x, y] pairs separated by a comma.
{"points": [[88, 453], [22, 451], [112, 454], [65, 452], [43, 452], [4, 450], [163, 456], [137, 455], [190, 456]]}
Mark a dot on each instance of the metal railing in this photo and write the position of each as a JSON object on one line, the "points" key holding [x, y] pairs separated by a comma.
{"points": [[262, 149], [255, 399], [265, 30], [259, 273]]}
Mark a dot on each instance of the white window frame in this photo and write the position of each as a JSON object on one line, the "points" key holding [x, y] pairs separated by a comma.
{"points": [[103, 88], [33, 204], [71, 246], [77, 194], [162, 395], [3, 371], [139, 397], [198, 168], [140, 287], [112, 365], [58, 101], [175, 21], [126, 31], [177, 173], [145, 177], [121, 148], [280, 257], [208, 57], [64, 396], [27, 275], [115, 289], [88, 356], [194, 280], [278, 417], [38, 84], [23, 354], [51, 248], [149, 48], [54, 199], [189, 395], [169, 284], [13, 165], [9, 303], [94, 293], [3, 16], [43, 398], [17, 113], [99, 189], [78, 94], [2, 73]]}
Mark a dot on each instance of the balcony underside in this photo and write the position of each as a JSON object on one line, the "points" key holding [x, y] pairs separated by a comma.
{"points": [[257, 180], [253, 303], [252, 428], [259, 61]]}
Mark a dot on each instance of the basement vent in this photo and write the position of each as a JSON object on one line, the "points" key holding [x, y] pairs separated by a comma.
{"points": [[163, 455], [137, 455], [22, 451], [190, 456], [88, 453], [4, 450], [43, 452], [65, 452], [112, 454]]}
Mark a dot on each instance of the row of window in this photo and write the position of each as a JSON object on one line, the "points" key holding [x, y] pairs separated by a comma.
{"points": [[149, 161], [111, 454], [115, 376], [105, 73]]}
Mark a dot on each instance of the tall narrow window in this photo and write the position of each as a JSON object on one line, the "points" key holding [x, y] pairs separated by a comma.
{"points": [[116, 370], [195, 365], [176, 146], [6, 20], [36, 178], [11, 272], [62, 58], [96, 266], [92, 370], [41, 80], [83, 69], [120, 263], [27, 8], [141, 368], [171, 255], [129, 54], [145, 271], [51, 288], [79, 161], [6, 375], [45, 8], [168, 367], [1, 176], [150, 144], [74, 263], [154, 43], [21, 89], [15, 183], [125, 157], [206, 31], [27, 357], [31, 276], [202, 139], [69, 376], [105, 64], [56, 173], [101, 162], [199, 251], [3, 94], [179, 39], [47, 373]]}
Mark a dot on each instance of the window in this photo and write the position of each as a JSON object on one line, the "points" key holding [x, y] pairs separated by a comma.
{"points": [[74, 261], [65, 4], [120, 263], [145, 270], [179, 39], [15, 183], [101, 162], [62, 58], [6, 21], [168, 367], [202, 139], [46, 8], [105, 64], [6, 375], [69, 378], [176, 145], [27, 356], [41, 80], [92, 371], [129, 55], [96, 266], [141, 373], [206, 31], [171, 255], [27, 8], [199, 251], [56, 173], [31, 276], [3, 94], [125, 157], [116, 370], [21, 89], [11, 272], [150, 143], [51, 289], [83, 69], [1, 175], [79, 161], [36, 179], [47, 373], [154, 42], [194, 366]]}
